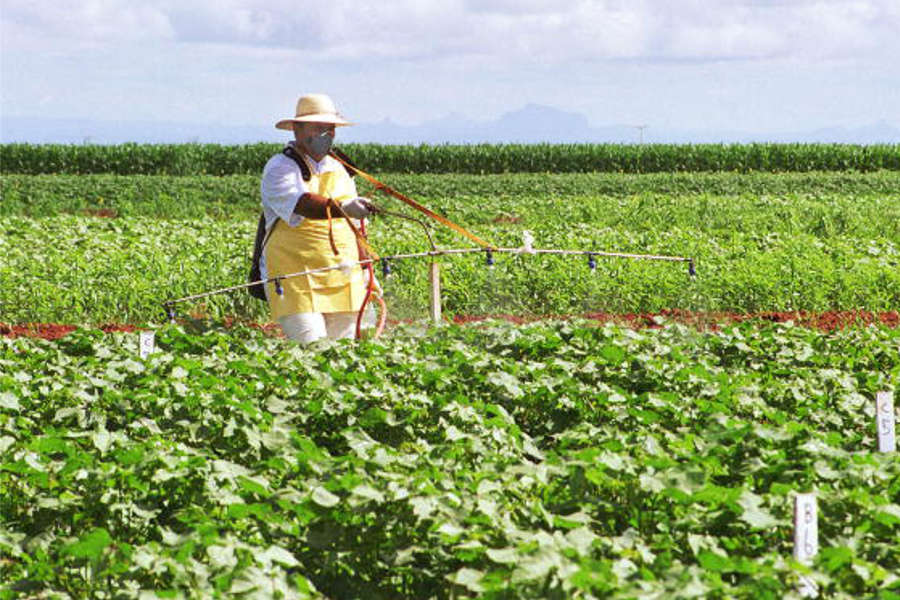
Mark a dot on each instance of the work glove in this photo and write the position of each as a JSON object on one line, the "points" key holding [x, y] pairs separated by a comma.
{"points": [[357, 208]]}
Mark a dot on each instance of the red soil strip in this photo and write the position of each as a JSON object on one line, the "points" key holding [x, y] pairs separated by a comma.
{"points": [[825, 321], [53, 331], [103, 213]]}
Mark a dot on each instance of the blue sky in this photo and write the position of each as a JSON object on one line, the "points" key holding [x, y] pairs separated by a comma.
{"points": [[762, 65]]}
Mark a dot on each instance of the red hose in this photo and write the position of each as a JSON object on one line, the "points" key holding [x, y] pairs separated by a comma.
{"points": [[369, 289]]}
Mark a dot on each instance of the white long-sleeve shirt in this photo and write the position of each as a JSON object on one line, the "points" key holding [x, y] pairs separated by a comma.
{"points": [[281, 186]]}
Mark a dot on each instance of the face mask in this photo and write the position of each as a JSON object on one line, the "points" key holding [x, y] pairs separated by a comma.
{"points": [[320, 144]]}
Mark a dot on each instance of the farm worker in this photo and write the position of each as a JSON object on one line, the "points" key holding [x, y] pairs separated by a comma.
{"points": [[300, 234]]}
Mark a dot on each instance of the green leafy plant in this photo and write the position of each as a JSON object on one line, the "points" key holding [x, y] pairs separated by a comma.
{"points": [[555, 460]]}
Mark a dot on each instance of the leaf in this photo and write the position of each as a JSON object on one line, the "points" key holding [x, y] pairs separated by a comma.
{"points": [[772, 434], [144, 559], [360, 442], [504, 556], [616, 462], [323, 497], [651, 446], [9, 401], [423, 506], [5, 443], [582, 539], [102, 440], [694, 589], [451, 529], [613, 354], [468, 578], [624, 568], [753, 514], [239, 510], [368, 492], [133, 366], [888, 514], [712, 561], [506, 381], [824, 470], [169, 537], [835, 557], [453, 434], [536, 565], [651, 483], [276, 439], [703, 542], [91, 545], [279, 555], [71, 411], [221, 557], [815, 446], [229, 469], [254, 485]]}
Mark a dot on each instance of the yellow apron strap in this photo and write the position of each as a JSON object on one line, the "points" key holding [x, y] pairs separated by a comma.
{"points": [[359, 236], [331, 228]]}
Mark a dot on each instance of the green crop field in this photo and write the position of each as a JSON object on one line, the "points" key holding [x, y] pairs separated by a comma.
{"points": [[558, 459], [760, 242], [212, 159], [552, 460]]}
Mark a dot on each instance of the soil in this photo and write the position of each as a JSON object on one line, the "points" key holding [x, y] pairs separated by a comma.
{"points": [[52, 331], [103, 213], [825, 321]]}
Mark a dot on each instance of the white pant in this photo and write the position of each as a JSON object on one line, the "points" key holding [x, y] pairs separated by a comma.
{"points": [[309, 327]]}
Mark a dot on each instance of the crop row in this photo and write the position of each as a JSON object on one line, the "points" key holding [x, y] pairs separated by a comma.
{"points": [[198, 196], [787, 247], [81, 269], [212, 159], [554, 460]]}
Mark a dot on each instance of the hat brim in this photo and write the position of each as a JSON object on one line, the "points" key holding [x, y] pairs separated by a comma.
{"points": [[314, 118]]}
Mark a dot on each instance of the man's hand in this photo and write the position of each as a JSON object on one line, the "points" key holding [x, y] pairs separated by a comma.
{"points": [[358, 208], [314, 206]]}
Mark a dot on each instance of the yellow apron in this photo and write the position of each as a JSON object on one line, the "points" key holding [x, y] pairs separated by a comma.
{"points": [[307, 246]]}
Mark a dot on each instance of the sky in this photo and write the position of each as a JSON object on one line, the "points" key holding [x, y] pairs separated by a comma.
{"points": [[748, 65]]}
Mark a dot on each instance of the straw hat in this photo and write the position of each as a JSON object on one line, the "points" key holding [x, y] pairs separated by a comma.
{"points": [[315, 108]]}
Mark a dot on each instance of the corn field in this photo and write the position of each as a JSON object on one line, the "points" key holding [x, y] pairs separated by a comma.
{"points": [[214, 159]]}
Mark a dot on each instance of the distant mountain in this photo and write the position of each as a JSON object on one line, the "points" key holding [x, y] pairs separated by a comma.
{"points": [[530, 124], [879, 131]]}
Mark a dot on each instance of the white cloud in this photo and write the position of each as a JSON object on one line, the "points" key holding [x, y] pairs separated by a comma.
{"points": [[411, 60], [503, 29], [798, 29], [92, 21]]}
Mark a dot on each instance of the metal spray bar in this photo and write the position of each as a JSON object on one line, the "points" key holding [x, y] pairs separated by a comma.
{"points": [[169, 305]]}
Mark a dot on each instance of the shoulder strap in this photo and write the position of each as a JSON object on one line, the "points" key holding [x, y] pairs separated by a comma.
{"points": [[304, 168], [263, 235]]}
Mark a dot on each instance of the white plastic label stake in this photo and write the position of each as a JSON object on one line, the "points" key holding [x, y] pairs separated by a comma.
{"points": [[806, 528], [435, 292], [806, 538], [146, 343], [886, 422]]}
